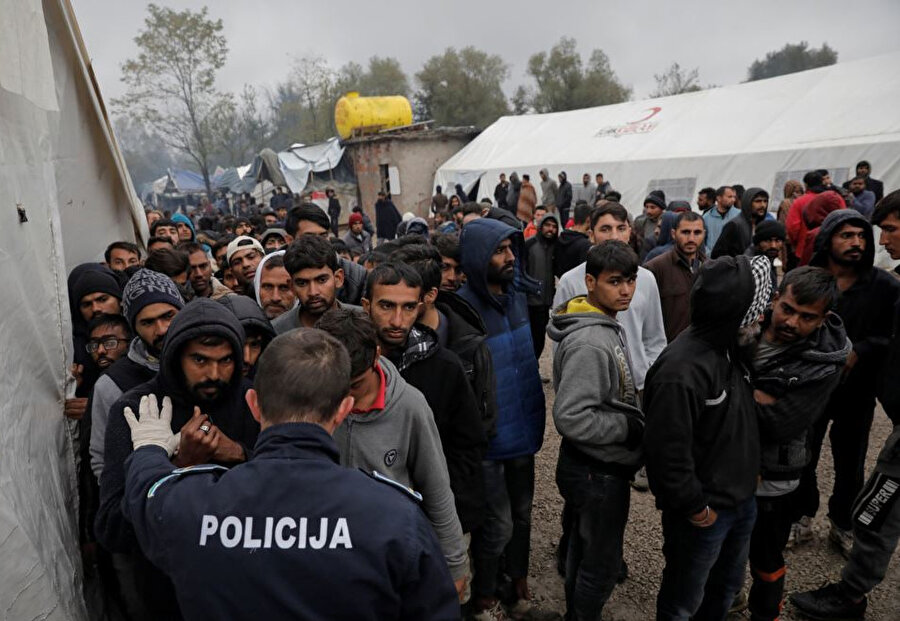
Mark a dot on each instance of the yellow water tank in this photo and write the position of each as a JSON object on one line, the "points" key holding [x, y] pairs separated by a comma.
{"points": [[370, 114]]}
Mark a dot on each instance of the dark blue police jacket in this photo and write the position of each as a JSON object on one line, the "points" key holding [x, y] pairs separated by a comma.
{"points": [[288, 535]]}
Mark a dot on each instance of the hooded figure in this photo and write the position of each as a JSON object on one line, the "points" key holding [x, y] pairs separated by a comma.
{"points": [[512, 194], [549, 189], [539, 260], [183, 219], [737, 235], [229, 413], [814, 215], [564, 199], [417, 226], [520, 394], [258, 277], [701, 439], [665, 241], [387, 218], [255, 323]]}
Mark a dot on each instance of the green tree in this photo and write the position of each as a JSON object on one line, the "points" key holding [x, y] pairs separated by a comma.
{"points": [[171, 82], [565, 82], [303, 105], [462, 88], [384, 76], [793, 57], [675, 81]]}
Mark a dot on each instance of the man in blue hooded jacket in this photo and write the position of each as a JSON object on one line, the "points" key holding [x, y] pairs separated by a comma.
{"points": [[496, 288]]}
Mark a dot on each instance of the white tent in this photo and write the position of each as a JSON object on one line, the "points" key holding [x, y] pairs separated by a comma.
{"points": [[756, 134], [59, 164]]}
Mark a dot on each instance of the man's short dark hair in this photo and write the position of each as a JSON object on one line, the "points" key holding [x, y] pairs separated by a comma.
{"points": [[168, 261], [809, 285], [709, 193], [159, 240], [424, 259], [356, 331], [612, 256], [472, 207], [813, 179], [310, 252], [581, 213], [159, 223], [394, 273], [614, 196], [720, 191], [302, 376], [190, 247], [306, 211], [616, 210], [688, 216], [864, 163], [888, 205], [822, 172], [339, 246], [112, 321], [374, 257], [447, 244], [121, 245]]}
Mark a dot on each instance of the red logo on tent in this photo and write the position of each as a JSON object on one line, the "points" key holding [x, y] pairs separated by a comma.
{"points": [[641, 126]]}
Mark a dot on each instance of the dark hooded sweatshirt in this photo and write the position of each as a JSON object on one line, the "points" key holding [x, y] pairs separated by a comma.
{"points": [[866, 307], [438, 374], [520, 394], [539, 257], [801, 378], [230, 414], [701, 439], [571, 251], [251, 317], [85, 279], [737, 235]]}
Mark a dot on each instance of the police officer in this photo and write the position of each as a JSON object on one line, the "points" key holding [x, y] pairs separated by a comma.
{"points": [[289, 534]]}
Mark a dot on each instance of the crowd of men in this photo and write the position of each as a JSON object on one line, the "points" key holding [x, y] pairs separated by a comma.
{"points": [[278, 421]]}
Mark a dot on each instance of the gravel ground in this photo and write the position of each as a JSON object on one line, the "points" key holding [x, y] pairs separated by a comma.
{"points": [[808, 567]]}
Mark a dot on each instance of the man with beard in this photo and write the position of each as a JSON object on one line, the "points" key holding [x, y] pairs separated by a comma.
{"points": [[274, 292], [863, 170], [876, 514], [200, 275], [675, 271], [151, 301], [122, 254], [243, 255], [845, 246], [737, 234], [200, 375], [586, 192], [108, 339], [563, 199], [357, 238], [394, 298], [316, 277], [797, 361], [768, 241], [701, 441], [539, 259], [497, 287]]}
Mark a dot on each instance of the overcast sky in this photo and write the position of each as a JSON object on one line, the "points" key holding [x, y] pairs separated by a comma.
{"points": [[720, 38]]}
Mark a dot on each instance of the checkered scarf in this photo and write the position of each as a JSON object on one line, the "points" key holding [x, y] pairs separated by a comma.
{"points": [[762, 289], [418, 346]]}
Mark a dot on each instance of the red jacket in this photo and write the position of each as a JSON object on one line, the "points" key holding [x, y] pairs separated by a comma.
{"points": [[813, 217], [796, 227]]}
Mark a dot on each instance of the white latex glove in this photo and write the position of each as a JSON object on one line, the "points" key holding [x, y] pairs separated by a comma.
{"points": [[154, 427]]}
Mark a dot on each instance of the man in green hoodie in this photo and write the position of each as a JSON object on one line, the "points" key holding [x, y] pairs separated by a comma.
{"points": [[598, 415]]}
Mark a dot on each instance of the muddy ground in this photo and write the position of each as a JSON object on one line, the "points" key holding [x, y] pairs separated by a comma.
{"points": [[808, 567]]}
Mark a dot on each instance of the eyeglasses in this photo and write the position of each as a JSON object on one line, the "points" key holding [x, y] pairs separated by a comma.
{"points": [[108, 344]]}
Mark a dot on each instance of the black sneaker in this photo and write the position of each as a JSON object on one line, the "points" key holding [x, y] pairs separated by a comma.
{"points": [[830, 603]]}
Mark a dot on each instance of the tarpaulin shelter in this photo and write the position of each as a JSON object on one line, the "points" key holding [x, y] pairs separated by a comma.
{"points": [[293, 166], [66, 194], [757, 134]]}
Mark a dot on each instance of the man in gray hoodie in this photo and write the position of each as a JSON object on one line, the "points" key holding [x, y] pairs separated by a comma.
{"points": [[391, 431], [598, 415]]}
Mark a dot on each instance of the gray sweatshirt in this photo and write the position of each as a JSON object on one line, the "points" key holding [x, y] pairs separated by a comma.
{"points": [[402, 442], [106, 393], [596, 406]]}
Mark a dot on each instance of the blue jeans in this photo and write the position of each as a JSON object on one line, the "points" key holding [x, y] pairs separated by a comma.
{"points": [[704, 566], [506, 530], [598, 503]]}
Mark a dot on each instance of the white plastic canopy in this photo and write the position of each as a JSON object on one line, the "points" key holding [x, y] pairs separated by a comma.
{"points": [[64, 195], [756, 134]]}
